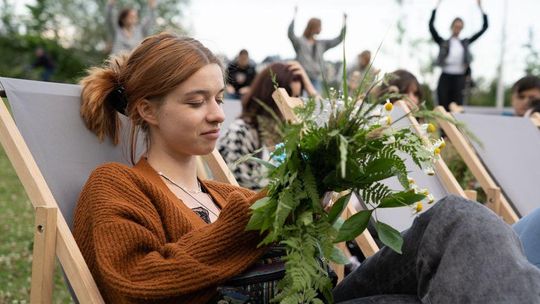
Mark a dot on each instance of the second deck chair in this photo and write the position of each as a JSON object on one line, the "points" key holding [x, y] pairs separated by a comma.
{"points": [[442, 184], [507, 158], [53, 154]]}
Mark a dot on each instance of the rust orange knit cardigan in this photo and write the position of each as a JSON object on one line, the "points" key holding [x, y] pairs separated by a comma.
{"points": [[143, 245]]}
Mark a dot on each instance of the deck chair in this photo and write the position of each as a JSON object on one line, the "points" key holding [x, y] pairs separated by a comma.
{"points": [[53, 154], [508, 159], [442, 184]]}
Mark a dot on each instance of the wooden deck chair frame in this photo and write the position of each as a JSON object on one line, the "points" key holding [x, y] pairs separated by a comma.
{"points": [[495, 198], [286, 105], [52, 236]]}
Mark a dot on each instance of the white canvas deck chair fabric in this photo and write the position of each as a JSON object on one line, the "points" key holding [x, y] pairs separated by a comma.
{"points": [[440, 185], [507, 158], [53, 154]]}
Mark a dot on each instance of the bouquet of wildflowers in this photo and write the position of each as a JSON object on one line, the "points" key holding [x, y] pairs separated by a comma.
{"points": [[337, 145]]}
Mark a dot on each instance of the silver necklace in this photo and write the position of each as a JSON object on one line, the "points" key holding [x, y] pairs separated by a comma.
{"points": [[188, 192], [185, 189]]}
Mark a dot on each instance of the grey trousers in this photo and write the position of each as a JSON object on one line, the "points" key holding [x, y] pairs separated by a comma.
{"points": [[456, 252]]}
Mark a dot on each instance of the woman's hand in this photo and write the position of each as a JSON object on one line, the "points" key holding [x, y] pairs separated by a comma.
{"points": [[296, 68]]}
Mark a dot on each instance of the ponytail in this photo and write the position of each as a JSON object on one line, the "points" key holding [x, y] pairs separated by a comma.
{"points": [[99, 97]]}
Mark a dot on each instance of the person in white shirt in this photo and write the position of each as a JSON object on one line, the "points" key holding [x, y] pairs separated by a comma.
{"points": [[454, 59]]}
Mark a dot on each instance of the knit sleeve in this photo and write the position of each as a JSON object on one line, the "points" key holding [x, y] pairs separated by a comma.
{"points": [[434, 34], [292, 37], [134, 259]]}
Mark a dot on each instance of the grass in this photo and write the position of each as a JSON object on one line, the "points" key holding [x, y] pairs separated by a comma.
{"points": [[16, 241]]}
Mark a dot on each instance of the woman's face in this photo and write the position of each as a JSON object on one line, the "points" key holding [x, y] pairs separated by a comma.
{"points": [[188, 121], [521, 100], [296, 88], [413, 94], [456, 27], [131, 19]]}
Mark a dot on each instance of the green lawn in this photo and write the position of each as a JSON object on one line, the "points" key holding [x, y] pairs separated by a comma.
{"points": [[16, 227]]}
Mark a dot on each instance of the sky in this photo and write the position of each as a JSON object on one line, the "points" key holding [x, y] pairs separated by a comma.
{"points": [[260, 26]]}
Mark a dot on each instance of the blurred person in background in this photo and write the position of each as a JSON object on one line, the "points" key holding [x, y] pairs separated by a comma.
{"points": [[454, 58], [309, 50], [240, 74], [524, 91], [125, 28]]}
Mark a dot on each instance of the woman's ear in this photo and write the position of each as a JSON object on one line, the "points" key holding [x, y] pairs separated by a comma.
{"points": [[148, 111]]}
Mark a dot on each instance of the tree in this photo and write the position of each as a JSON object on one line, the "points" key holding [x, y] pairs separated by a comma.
{"points": [[532, 61]]}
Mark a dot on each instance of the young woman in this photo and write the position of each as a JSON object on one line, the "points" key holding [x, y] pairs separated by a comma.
{"points": [[310, 50], [154, 233], [403, 82], [256, 127], [454, 58], [125, 28]]}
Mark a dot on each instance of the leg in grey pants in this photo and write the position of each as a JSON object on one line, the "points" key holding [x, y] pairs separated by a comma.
{"points": [[456, 252]]}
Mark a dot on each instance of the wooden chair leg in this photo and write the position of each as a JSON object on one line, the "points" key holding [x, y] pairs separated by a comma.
{"points": [[494, 199], [43, 255], [471, 195]]}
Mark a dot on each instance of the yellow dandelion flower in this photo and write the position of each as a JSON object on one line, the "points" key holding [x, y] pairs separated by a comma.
{"points": [[442, 145], [418, 207], [388, 106], [437, 151], [431, 128]]}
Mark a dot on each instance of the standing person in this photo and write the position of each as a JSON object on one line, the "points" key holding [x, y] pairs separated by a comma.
{"points": [[240, 74], [310, 50], [256, 128], [454, 58], [45, 61], [125, 28], [357, 73], [155, 233]]}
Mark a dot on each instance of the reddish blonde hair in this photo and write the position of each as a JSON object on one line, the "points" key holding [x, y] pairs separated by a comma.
{"points": [[311, 27], [154, 69]]}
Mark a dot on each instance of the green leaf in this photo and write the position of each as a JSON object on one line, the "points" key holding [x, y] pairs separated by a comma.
{"points": [[354, 226], [389, 236], [263, 202], [338, 256], [338, 207], [255, 222], [400, 199], [306, 218], [338, 223], [267, 164], [310, 188]]}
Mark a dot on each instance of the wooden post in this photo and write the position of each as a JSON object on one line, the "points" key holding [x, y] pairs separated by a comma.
{"points": [[219, 169], [535, 118], [44, 255], [472, 161], [471, 194], [40, 195], [494, 196], [441, 170]]}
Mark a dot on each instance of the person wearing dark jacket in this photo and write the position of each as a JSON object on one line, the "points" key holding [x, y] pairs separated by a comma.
{"points": [[454, 58]]}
